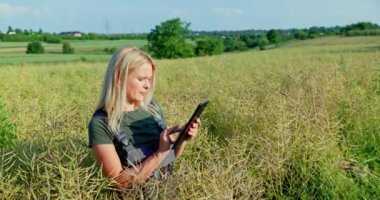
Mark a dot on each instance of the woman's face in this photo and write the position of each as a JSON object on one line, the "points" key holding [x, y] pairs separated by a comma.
{"points": [[139, 83]]}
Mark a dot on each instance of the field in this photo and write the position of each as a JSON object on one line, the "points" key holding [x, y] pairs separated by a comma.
{"points": [[297, 122], [14, 52]]}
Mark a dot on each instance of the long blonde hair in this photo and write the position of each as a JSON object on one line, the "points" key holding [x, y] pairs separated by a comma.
{"points": [[113, 97]]}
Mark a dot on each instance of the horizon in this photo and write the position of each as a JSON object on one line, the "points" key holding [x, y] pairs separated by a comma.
{"points": [[196, 30]]}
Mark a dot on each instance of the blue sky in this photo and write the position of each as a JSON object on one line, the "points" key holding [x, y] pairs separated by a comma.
{"points": [[140, 16]]}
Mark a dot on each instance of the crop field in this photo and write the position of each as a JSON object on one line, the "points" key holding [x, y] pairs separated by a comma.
{"points": [[301, 121], [14, 52]]}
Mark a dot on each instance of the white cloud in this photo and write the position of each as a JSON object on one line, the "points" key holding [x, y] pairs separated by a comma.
{"points": [[228, 12], [10, 11]]}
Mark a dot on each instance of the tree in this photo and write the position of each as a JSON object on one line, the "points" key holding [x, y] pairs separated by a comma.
{"points": [[314, 32], [167, 40], [18, 31], [234, 44], [92, 36], [301, 35], [272, 36], [263, 42], [35, 47], [250, 40], [10, 29], [51, 39], [67, 48], [209, 46], [26, 32], [358, 28]]}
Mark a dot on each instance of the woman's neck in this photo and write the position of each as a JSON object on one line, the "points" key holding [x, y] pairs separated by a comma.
{"points": [[131, 106]]}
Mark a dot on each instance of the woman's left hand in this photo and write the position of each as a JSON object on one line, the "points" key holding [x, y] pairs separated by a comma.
{"points": [[191, 133], [193, 130]]}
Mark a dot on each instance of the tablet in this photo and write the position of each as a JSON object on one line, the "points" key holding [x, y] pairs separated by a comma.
{"points": [[197, 113]]}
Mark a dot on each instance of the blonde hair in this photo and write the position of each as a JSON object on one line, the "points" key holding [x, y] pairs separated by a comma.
{"points": [[113, 97]]}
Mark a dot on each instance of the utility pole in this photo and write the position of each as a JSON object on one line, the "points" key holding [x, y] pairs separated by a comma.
{"points": [[107, 26]]}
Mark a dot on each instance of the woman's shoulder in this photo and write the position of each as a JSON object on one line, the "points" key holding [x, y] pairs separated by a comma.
{"points": [[98, 130], [98, 120], [100, 114]]}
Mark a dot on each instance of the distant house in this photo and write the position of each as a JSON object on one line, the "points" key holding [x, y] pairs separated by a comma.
{"points": [[72, 33], [12, 33]]}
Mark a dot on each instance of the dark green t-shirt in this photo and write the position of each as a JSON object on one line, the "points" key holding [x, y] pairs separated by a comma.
{"points": [[140, 125]]}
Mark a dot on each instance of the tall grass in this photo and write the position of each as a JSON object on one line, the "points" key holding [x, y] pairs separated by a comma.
{"points": [[299, 122], [7, 130]]}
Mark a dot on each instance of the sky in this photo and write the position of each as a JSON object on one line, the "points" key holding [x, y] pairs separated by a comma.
{"points": [[141, 16]]}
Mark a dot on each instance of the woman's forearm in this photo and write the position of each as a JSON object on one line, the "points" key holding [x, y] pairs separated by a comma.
{"points": [[179, 149], [139, 173]]}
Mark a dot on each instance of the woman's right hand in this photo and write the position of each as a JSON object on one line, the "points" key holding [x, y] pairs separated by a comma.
{"points": [[165, 142]]}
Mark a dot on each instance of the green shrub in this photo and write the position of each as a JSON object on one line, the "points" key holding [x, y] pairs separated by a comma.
{"points": [[234, 44], [263, 42], [35, 48], [7, 129], [67, 48], [51, 39], [83, 59], [110, 50], [301, 35], [209, 46]]}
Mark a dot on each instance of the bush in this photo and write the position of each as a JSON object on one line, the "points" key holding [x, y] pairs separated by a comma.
{"points": [[301, 35], [35, 47], [273, 36], [110, 50], [363, 32], [67, 48], [234, 44], [21, 38], [209, 46], [83, 59], [263, 42], [51, 39], [251, 41], [7, 129]]}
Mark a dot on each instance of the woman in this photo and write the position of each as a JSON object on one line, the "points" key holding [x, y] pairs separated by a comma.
{"points": [[128, 118]]}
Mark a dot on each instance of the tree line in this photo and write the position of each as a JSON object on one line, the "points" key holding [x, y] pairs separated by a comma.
{"points": [[171, 38], [174, 39]]}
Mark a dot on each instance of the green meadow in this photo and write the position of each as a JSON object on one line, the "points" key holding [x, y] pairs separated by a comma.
{"points": [[301, 121], [85, 50]]}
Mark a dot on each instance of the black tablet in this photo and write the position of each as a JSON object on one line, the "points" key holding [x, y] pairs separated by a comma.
{"points": [[197, 113]]}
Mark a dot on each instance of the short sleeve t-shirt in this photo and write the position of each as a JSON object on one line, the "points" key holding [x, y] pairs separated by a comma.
{"points": [[142, 128]]}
